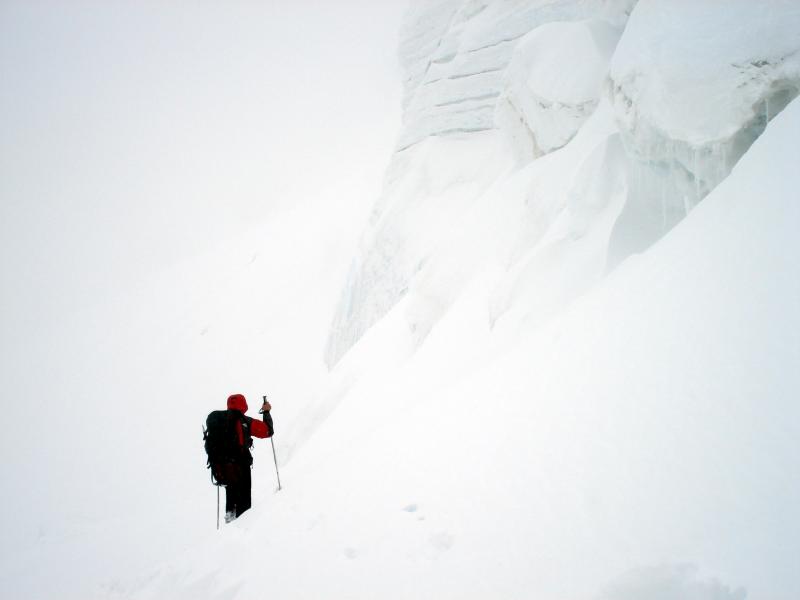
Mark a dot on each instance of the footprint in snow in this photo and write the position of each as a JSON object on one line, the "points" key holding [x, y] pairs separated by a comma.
{"points": [[351, 553], [411, 508]]}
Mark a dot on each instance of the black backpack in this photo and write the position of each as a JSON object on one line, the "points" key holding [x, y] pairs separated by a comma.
{"points": [[220, 438]]}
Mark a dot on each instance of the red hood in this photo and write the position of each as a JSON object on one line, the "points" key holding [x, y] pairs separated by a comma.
{"points": [[237, 402]]}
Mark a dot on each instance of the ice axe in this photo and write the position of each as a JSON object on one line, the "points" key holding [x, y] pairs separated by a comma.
{"points": [[274, 456]]}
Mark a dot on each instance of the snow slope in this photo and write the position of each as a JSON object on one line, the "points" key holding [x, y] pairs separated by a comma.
{"points": [[135, 135], [643, 444], [514, 404], [115, 478]]}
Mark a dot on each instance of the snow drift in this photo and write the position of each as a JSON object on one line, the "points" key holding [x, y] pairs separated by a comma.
{"points": [[640, 444], [513, 409]]}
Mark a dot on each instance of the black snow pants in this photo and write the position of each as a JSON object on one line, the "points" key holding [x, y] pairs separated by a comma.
{"points": [[237, 492]]}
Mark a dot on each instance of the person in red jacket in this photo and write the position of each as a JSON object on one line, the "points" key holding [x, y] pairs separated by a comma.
{"points": [[237, 491]]}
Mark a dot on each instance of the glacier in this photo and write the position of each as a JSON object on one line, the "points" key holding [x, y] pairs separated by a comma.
{"points": [[691, 102], [493, 88], [560, 364], [457, 96], [641, 443]]}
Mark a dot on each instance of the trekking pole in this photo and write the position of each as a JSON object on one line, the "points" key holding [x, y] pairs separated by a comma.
{"points": [[276, 463], [274, 456], [205, 431]]}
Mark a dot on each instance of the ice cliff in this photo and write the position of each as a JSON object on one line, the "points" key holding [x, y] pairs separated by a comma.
{"points": [[544, 141], [693, 86]]}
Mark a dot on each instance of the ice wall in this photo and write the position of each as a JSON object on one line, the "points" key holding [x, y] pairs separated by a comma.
{"points": [[546, 141], [465, 111], [693, 85], [553, 83], [456, 55]]}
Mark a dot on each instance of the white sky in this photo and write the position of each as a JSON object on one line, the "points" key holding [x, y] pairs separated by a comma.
{"points": [[133, 134]]}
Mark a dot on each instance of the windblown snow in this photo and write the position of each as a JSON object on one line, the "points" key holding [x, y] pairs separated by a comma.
{"points": [[562, 365]]}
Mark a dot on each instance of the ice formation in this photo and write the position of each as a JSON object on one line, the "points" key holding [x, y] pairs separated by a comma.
{"points": [[546, 141], [457, 138], [693, 86], [505, 418], [544, 106]]}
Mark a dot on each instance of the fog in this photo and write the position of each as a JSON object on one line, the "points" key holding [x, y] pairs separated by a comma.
{"points": [[137, 134], [136, 137]]}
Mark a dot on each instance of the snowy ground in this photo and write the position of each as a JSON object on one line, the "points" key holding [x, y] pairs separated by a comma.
{"points": [[522, 422], [641, 445]]}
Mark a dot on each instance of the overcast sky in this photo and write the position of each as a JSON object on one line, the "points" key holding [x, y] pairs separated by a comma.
{"points": [[137, 133]]}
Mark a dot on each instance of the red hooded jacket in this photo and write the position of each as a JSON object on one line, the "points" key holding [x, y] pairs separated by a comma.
{"points": [[259, 429]]}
